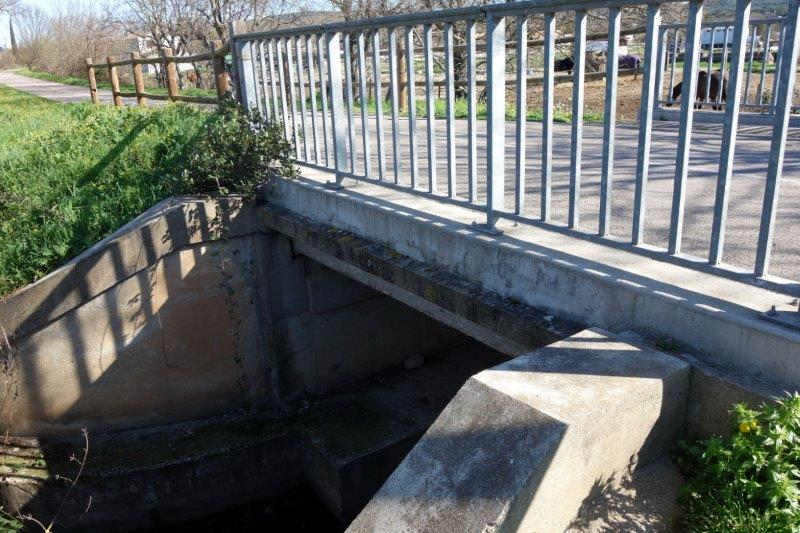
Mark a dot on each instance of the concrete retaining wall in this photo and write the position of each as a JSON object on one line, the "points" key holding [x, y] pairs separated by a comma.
{"points": [[193, 311]]}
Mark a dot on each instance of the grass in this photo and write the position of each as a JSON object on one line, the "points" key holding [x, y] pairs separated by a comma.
{"points": [[461, 110], [84, 82], [70, 174]]}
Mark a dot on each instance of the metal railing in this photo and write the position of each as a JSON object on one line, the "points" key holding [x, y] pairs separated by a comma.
{"points": [[275, 68], [763, 54]]}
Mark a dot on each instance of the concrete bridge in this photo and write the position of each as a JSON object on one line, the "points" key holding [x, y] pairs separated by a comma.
{"points": [[425, 363]]}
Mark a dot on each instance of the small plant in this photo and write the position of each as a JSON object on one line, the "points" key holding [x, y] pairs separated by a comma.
{"points": [[234, 152], [749, 482]]}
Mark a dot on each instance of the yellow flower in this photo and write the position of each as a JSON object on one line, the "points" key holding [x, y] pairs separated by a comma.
{"points": [[753, 425], [744, 427]]}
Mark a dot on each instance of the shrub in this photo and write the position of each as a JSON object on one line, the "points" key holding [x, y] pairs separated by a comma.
{"points": [[749, 481], [234, 152], [72, 174]]}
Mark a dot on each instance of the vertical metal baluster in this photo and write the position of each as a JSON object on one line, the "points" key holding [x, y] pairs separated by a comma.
{"points": [[451, 111], [645, 123], [547, 114], [333, 47], [778, 63], [724, 65], [348, 78], [312, 89], [496, 115], [610, 119], [256, 78], [522, 96], [472, 111], [690, 68], [579, 53], [662, 49], [376, 73], [764, 54], [265, 93], [363, 96], [412, 105], [670, 99], [732, 108], [282, 84], [292, 95], [431, 105], [750, 65], [710, 64], [395, 102], [273, 80], [301, 89], [323, 87], [778, 145]]}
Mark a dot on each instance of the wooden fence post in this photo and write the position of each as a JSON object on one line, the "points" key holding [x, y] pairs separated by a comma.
{"points": [[171, 72], [112, 76], [138, 81], [92, 81], [220, 76]]}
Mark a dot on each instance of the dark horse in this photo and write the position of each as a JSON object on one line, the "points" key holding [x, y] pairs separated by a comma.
{"points": [[718, 85]]}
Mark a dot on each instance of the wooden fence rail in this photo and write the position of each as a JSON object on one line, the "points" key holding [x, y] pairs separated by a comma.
{"points": [[169, 63]]}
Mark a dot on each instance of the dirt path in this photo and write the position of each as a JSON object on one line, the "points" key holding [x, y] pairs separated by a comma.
{"points": [[50, 90]]}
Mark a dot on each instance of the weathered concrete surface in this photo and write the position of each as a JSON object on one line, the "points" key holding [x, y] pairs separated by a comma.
{"points": [[521, 445], [193, 312], [642, 500], [344, 446], [716, 318], [503, 324]]}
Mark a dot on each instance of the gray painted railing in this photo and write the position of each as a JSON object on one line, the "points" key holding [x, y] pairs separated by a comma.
{"points": [[270, 64]]}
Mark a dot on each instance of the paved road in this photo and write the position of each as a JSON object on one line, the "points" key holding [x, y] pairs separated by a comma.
{"points": [[747, 188]]}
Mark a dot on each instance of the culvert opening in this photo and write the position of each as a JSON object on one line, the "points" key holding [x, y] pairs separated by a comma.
{"points": [[290, 407]]}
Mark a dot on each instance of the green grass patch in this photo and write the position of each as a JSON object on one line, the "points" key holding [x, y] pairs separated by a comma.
{"points": [[70, 174], [126, 88], [750, 481]]}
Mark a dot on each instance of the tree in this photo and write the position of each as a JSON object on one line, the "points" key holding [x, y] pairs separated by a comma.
{"points": [[33, 35]]}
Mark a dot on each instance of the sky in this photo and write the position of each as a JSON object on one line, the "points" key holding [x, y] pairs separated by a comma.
{"points": [[46, 5], [51, 6]]}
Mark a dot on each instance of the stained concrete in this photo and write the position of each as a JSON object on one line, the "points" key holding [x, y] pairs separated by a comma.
{"points": [[521, 445], [202, 323], [573, 277], [343, 446]]}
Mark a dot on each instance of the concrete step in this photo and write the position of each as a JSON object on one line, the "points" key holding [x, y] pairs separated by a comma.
{"points": [[522, 445]]}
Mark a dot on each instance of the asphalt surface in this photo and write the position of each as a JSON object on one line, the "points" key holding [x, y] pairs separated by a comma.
{"points": [[746, 193]]}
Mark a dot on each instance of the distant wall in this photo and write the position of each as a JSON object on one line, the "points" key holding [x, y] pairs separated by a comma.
{"points": [[189, 312]]}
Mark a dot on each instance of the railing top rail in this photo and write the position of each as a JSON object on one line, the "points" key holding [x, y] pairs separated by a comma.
{"points": [[449, 15]]}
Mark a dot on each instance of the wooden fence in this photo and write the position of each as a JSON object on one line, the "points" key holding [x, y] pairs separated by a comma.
{"points": [[169, 63]]}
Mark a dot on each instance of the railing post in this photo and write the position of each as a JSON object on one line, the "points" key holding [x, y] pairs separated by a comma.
{"points": [[579, 54], [114, 79], [244, 72], [691, 66], [220, 76], [138, 82], [496, 116], [610, 119], [783, 111], [338, 119], [645, 122], [92, 81], [171, 73], [732, 107]]}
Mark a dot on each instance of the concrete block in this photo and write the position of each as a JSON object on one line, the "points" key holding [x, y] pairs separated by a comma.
{"points": [[521, 445]]}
